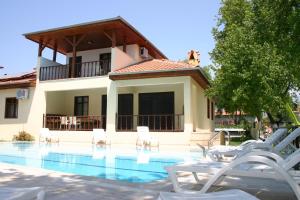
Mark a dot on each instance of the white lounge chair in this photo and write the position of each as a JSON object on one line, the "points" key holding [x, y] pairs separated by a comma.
{"points": [[34, 193], [257, 164], [221, 152], [99, 136], [46, 136], [144, 138], [286, 146], [64, 122], [222, 195], [74, 121]]}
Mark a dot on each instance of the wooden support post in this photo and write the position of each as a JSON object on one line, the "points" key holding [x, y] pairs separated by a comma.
{"points": [[74, 57], [113, 41], [124, 44], [42, 47], [112, 38], [74, 43], [54, 52]]}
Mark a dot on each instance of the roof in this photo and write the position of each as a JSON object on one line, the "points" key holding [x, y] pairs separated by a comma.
{"points": [[155, 68], [154, 65], [17, 81], [95, 36]]}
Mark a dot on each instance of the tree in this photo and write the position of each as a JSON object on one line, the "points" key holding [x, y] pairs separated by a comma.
{"points": [[207, 70], [257, 55]]}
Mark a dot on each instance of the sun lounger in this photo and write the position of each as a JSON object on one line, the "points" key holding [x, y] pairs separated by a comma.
{"points": [[259, 164], [46, 136], [144, 137], [221, 152], [100, 137], [34, 193], [222, 195]]}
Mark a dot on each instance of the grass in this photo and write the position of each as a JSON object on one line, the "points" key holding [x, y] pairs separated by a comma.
{"points": [[238, 140], [235, 141]]}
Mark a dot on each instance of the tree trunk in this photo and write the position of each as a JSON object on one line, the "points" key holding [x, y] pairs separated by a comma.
{"points": [[273, 122]]}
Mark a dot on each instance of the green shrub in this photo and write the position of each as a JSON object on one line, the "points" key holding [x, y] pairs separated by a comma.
{"points": [[23, 136]]}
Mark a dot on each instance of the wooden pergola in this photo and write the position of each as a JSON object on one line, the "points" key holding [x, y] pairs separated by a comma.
{"points": [[94, 35]]}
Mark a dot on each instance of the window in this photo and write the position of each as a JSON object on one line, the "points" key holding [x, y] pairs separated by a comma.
{"points": [[105, 60], [11, 108], [212, 111], [81, 105], [208, 108]]}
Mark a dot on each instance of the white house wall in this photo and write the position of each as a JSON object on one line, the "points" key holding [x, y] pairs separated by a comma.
{"points": [[200, 120], [119, 58], [89, 55], [25, 120]]}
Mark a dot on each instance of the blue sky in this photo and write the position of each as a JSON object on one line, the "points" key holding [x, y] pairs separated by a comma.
{"points": [[174, 27]]}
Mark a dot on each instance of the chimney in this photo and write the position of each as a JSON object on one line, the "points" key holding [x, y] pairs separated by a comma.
{"points": [[194, 58]]}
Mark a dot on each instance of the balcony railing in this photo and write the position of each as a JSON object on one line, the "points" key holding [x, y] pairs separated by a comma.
{"points": [[84, 69], [74, 123], [157, 123]]}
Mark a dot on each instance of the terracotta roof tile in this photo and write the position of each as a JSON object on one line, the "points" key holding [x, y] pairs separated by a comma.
{"points": [[26, 79], [154, 65]]}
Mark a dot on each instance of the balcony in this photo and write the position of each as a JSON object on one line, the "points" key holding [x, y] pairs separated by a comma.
{"points": [[156, 123], [73, 123], [84, 69]]}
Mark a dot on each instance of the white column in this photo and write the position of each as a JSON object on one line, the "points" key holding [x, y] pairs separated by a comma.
{"points": [[135, 108], [188, 119], [112, 105]]}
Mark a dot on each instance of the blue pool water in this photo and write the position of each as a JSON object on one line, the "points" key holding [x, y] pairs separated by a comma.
{"points": [[124, 164]]}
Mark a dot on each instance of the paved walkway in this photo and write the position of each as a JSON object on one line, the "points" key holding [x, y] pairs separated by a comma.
{"points": [[61, 186]]}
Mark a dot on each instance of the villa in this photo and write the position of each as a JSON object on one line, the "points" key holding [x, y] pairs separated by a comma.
{"points": [[116, 83], [113, 78]]}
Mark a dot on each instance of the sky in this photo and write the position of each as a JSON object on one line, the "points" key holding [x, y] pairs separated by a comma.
{"points": [[173, 26]]}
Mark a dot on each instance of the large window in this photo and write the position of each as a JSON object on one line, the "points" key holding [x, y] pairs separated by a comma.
{"points": [[11, 108], [81, 106]]}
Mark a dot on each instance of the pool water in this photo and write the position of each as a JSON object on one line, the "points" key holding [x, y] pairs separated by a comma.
{"points": [[125, 164]]}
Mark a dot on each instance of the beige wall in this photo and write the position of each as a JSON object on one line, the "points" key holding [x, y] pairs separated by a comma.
{"points": [[25, 119], [120, 59], [62, 102], [200, 121]]}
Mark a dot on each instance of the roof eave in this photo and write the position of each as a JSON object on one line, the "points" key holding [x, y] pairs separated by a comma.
{"points": [[118, 18], [203, 81]]}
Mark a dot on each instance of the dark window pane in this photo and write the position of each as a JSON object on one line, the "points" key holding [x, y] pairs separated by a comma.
{"points": [[81, 105], [11, 108]]}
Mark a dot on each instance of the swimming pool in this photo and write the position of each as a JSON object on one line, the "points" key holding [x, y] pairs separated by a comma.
{"points": [[125, 164]]}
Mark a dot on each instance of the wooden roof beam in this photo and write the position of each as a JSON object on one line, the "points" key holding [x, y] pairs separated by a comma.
{"points": [[42, 47], [112, 38]]}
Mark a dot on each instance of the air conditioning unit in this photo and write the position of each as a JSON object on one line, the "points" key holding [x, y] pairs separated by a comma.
{"points": [[144, 52], [22, 93]]}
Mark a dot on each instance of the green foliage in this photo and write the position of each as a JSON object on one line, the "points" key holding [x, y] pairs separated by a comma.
{"points": [[257, 55], [207, 70], [23, 136]]}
